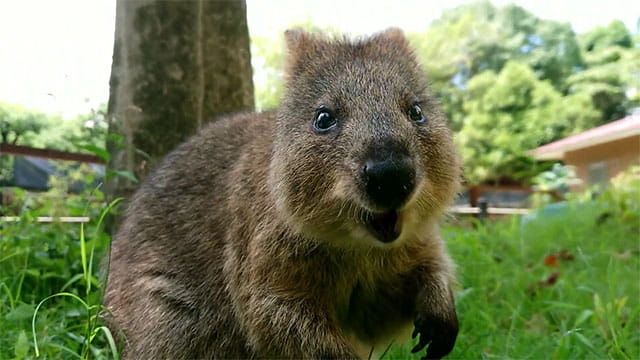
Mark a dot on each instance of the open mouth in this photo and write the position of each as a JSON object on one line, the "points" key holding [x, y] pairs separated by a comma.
{"points": [[384, 226]]}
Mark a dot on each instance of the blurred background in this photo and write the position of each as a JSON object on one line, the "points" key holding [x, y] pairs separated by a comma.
{"points": [[543, 98]]}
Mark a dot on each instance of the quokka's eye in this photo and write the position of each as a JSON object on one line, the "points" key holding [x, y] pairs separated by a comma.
{"points": [[415, 113], [324, 121]]}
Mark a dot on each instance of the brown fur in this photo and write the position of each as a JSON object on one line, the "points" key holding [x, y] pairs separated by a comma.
{"points": [[248, 240]]}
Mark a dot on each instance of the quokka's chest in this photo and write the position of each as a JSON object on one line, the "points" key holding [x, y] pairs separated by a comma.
{"points": [[374, 318], [376, 311]]}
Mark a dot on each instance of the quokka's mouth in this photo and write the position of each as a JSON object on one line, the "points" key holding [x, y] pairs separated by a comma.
{"points": [[384, 226]]}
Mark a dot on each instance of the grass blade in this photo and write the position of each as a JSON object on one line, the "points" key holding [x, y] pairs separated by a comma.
{"points": [[35, 313], [112, 343]]}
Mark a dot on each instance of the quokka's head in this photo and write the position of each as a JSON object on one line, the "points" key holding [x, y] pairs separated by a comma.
{"points": [[362, 153]]}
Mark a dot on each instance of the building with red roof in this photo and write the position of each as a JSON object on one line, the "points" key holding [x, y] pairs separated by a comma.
{"points": [[598, 154]]}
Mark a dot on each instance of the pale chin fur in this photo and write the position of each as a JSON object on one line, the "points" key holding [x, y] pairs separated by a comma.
{"points": [[414, 226], [414, 229]]}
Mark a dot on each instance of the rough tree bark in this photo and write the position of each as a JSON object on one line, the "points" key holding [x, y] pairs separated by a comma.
{"points": [[176, 65]]}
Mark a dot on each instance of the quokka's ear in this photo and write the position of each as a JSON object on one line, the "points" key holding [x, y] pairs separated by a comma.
{"points": [[303, 49], [300, 47], [391, 37], [296, 39], [392, 34]]}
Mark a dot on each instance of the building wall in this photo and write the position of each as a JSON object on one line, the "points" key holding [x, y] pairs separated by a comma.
{"points": [[604, 161]]}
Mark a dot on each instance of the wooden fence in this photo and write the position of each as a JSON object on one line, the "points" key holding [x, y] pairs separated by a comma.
{"points": [[19, 150]]}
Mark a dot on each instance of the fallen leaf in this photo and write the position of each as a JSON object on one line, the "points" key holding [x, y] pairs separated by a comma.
{"points": [[552, 278], [532, 289], [551, 260]]}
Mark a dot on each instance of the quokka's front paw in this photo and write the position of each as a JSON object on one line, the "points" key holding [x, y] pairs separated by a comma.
{"points": [[438, 331]]}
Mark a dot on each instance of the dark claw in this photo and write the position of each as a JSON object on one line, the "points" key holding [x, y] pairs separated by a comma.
{"points": [[421, 344], [440, 349], [440, 334]]}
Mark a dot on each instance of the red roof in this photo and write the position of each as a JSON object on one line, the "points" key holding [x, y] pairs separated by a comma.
{"points": [[615, 130]]}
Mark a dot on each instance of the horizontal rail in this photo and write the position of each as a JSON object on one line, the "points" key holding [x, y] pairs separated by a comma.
{"points": [[48, 219], [454, 209], [11, 149], [490, 211]]}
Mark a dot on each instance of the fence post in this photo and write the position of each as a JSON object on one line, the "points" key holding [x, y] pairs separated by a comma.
{"points": [[484, 209]]}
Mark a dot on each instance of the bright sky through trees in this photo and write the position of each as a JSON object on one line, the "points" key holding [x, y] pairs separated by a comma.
{"points": [[55, 56]]}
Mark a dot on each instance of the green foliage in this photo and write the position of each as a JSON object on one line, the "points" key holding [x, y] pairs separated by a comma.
{"points": [[93, 321], [75, 134], [50, 287], [267, 55], [579, 113], [6, 170], [477, 37], [16, 123], [22, 126], [622, 197], [610, 74], [558, 287], [17, 126], [602, 37], [85, 133], [557, 179], [506, 114]]}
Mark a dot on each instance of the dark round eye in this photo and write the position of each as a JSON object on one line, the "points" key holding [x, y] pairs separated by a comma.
{"points": [[324, 121], [415, 113]]}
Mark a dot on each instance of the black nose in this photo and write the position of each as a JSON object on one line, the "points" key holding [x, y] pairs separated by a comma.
{"points": [[389, 181]]}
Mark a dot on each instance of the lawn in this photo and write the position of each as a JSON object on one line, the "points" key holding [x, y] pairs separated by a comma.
{"points": [[564, 287], [561, 287]]}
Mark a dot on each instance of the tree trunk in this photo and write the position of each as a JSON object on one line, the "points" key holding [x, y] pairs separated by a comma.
{"points": [[176, 65]]}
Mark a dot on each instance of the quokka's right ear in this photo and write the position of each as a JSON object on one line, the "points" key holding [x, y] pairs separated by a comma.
{"points": [[392, 38], [295, 39], [302, 48]]}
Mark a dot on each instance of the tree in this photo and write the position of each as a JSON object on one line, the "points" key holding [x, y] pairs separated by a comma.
{"points": [[21, 126], [611, 76], [76, 134], [602, 37], [18, 123], [478, 36], [509, 113], [550, 48], [176, 65]]}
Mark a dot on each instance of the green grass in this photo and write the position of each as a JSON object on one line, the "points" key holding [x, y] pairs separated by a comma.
{"points": [[50, 283], [508, 309], [506, 305]]}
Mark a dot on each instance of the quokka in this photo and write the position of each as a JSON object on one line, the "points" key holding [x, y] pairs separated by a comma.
{"points": [[310, 231]]}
